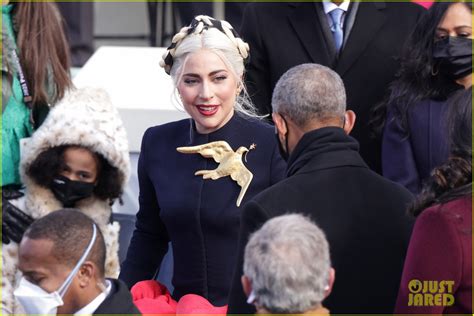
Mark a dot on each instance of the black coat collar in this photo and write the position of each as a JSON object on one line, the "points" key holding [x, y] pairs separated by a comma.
{"points": [[304, 19], [324, 148], [119, 301], [227, 132]]}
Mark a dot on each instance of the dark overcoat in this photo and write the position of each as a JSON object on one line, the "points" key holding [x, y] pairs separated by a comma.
{"points": [[283, 35], [362, 214]]}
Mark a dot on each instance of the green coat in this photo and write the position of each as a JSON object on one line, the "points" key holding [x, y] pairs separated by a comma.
{"points": [[17, 122]]}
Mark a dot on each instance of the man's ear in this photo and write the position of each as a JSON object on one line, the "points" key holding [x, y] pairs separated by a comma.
{"points": [[280, 124], [332, 278], [86, 273], [246, 285], [349, 121]]}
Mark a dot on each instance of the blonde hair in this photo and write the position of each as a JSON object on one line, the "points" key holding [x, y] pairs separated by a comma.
{"points": [[218, 37]]}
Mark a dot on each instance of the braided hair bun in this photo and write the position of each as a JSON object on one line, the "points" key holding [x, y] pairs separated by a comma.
{"points": [[200, 24]]}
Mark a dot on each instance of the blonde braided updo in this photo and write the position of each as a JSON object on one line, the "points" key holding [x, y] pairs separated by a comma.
{"points": [[218, 37], [199, 24]]}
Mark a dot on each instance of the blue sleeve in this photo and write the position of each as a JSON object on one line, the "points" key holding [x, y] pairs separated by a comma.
{"points": [[150, 239], [398, 162]]}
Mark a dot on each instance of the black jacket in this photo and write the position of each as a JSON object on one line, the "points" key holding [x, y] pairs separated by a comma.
{"points": [[362, 214], [119, 301], [283, 35]]}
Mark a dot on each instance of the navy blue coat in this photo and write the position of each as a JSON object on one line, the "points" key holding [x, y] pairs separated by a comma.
{"points": [[199, 217], [409, 157]]}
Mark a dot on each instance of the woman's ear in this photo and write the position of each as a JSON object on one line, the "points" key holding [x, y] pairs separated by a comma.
{"points": [[349, 121], [239, 89]]}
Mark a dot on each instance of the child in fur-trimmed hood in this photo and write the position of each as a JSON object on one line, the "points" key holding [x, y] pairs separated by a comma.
{"points": [[78, 158]]}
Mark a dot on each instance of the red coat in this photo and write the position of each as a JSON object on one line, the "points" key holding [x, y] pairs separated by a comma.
{"points": [[440, 250]]}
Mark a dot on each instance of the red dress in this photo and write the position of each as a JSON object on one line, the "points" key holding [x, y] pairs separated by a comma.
{"points": [[437, 276]]}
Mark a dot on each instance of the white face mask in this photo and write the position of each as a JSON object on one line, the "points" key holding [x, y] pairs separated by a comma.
{"points": [[35, 300]]}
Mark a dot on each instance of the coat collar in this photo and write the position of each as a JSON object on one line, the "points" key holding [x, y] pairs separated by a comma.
{"points": [[228, 132], [324, 148], [369, 20], [304, 18], [306, 22]]}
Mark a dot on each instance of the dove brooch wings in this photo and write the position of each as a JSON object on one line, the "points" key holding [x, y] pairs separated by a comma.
{"points": [[230, 163]]}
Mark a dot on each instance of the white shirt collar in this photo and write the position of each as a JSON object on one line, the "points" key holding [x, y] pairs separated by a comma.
{"points": [[90, 308], [329, 6]]}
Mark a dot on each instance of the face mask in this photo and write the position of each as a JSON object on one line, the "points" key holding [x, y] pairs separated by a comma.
{"points": [[35, 300], [454, 56], [68, 192], [283, 153], [283, 150]]}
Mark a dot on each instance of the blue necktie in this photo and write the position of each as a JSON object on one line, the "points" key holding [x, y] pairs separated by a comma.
{"points": [[336, 28]]}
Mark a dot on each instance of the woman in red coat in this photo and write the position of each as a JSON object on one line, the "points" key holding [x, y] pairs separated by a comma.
{"points": [[437, 276]]}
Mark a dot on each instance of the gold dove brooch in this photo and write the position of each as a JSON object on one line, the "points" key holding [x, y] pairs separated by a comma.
{"points": [[230, 163]]}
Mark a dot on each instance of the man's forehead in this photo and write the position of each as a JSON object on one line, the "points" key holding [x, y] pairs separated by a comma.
{"points": [[36, 254]]}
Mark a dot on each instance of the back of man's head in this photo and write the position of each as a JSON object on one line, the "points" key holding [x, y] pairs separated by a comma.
{"points": [[310, 92], [288, 265], [71, 232]]}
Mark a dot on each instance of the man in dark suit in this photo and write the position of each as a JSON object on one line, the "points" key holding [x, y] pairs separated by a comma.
{"points": [[362, 47], [362, 214]]}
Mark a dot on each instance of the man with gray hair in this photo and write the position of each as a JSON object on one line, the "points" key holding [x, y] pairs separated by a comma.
{"points": [[287, 269], [362, 214]]}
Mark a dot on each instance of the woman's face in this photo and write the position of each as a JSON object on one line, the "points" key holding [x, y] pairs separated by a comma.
{"points": [[457, 21], [80, 164], [208, 90]]}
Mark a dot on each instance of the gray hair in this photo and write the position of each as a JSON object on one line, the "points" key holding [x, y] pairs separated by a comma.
{"points": [[288, 264], [232, 51], [309, 91]]}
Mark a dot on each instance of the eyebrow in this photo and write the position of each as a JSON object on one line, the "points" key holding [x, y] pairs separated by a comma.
{"points": [[456, 28], [211, 74], [34, 273]]}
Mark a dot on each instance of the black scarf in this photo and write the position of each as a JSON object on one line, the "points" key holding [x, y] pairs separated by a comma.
{"points": [[314, 143]]}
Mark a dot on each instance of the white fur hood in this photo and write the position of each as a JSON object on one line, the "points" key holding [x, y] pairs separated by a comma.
{"points": [[84, 117]]}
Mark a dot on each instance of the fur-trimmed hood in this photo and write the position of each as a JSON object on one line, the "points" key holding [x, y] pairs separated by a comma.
{"points": [[84, 117]]}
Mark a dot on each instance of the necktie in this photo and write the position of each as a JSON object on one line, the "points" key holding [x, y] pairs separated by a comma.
{"points": [[336, 28]]}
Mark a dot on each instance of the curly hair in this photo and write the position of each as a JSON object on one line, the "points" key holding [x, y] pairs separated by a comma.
{"points": [[452, 179], [415, 79], [50, 162]]}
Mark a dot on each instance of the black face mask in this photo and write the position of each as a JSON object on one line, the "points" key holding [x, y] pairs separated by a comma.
{"points": [[68, 192], [454, 56], [283, 150]]}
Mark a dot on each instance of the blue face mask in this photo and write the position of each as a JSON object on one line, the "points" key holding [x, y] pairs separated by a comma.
{"points": [[35, 300]]}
